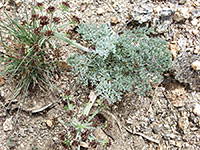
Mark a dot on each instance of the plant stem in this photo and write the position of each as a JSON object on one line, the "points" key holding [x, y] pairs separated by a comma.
{"points": [[61, 37]]}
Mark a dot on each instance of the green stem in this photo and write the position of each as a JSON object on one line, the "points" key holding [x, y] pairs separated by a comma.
{"points": [[89, 106], [61, 37]]}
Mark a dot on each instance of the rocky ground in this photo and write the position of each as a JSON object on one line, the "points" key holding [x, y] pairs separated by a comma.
{"points": [[168, 117]]}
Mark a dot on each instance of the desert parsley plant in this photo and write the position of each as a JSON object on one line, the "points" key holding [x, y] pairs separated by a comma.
{"points": [[31, 52], [79, 128], [120, 63]]}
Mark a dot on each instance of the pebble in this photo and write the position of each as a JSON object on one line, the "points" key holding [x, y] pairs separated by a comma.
{"points": [[172, 142], [7, 125], [1, 5], [174, 50], [183, 123], [196, 65], [22, 132], [129, 121], [182, 2], [196, 109], [56, 140], [7, 7], [179, 144], [181, 14], [100, 11], [194, 22], [40, 1], [114, 20], [18, 2], [178, 103], [2, 81], [49, 123], [100, 135], [196, 13], [84, 144], [22, 145], [195, 32]]}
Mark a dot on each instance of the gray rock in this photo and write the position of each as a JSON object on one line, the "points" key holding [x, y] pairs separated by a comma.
{"points": [[196, 13], [181, 14], [142, 12], [183, 72], [7, 125], [162, 20], [196, 109]]}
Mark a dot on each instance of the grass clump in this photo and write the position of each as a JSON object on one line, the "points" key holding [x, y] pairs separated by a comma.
{"points": [[31, 53]]}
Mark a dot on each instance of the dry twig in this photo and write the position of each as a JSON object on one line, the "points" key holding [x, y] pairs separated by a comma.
{"points": [[142, 135]]}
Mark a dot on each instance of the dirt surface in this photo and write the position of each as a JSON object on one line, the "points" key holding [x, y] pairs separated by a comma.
{"points": [[168, 117]]}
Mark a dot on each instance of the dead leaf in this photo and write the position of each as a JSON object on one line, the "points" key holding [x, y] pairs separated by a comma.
{"points": [[2, 81], [64, 66]]}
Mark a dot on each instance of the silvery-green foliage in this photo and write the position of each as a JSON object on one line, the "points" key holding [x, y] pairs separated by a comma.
{"points": [[120, 63]]}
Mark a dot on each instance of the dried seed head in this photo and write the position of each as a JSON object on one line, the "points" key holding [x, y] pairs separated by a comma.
{"points": [[34, 16], [24, 22], [56, 20], [44, 20], [75, 20], [39, 5], [51, 9], [49, 33], [65, 6]]}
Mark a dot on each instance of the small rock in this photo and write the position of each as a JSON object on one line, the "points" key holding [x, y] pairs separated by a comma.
{"points": [[22, 145], [84, 144], [171, 142], [99, 134], [182, 42], [129, 121], [18, 2], [40, 1], [7, 125], [196, 65], [179, 144], [100, 11], [7, 7], [183, 123], [196, 110], [196, 13], [194, 22], [196, 51], [49, 123], [182, 2], [172, 136], [1, 5], [195, 32], [178, 103], [2, 81], [142, 12], [156, 129], [157, 9], [181, 14], [56, 140], [114, 20], [21, 132], [174, 50], [199, 123]]}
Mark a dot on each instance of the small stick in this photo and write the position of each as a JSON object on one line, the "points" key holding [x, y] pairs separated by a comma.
{"points": [[110, 114], [120, 30], [36, 110], [142, 135]]}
